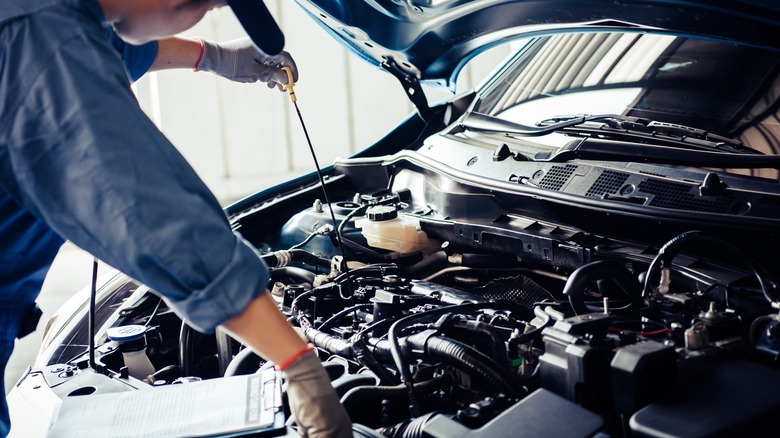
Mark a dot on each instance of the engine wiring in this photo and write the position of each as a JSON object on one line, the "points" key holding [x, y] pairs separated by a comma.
{"points": [[662, 263]]}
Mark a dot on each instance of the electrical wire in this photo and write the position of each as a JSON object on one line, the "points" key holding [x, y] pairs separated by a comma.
{"points": [[328, 322], [663, 260], [323, 230], [154, 312]]}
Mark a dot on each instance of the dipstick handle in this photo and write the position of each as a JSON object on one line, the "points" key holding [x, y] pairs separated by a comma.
{"points": [[288, 87]]}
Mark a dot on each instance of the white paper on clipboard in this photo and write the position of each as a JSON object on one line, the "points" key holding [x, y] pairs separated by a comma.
{"points": [[216, 407]]}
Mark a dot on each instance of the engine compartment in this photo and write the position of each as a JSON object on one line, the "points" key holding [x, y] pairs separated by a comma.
{"points": [[447, 309]]}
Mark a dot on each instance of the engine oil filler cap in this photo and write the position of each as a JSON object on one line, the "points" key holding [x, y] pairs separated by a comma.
{"points": [[126, 333], [381, 213]]}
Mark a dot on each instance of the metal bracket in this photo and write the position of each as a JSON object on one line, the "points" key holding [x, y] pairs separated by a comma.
{"points": [[411, 86]]}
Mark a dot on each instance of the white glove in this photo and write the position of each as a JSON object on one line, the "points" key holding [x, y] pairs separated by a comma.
{"points": [[313, 401], [240, 61]]}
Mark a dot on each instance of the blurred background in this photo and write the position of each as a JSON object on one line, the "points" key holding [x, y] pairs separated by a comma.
{"points": [[242, 138]]}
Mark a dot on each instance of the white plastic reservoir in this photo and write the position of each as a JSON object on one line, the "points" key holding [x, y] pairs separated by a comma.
{"points": [[384, 228]]}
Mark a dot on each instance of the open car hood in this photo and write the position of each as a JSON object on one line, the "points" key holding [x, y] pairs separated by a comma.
{"points": [[433, 39]]}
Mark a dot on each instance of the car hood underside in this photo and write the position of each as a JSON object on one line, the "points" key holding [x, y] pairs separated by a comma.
{"points": [[432, 39]]}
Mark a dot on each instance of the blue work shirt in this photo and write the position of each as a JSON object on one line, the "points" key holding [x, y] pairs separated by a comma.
{"points": [[137, 59], [80, 161]]}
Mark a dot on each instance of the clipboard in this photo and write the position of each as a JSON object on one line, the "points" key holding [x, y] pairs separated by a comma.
{"points": [[223, 407]]}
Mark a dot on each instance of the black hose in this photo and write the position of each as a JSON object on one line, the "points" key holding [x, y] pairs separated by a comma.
{"points": [[466, 358], [245, 362], [455, 354], [363, 355], [395, 349], [667, 253], [435, 348], [602, 269], [365, 401], [280, 259], [415, 428], [497, 344], [299, 298], [329, 343], [430, 263], [169, 373], [546, 320], [298, 274], [358, 211], [186, 334]]}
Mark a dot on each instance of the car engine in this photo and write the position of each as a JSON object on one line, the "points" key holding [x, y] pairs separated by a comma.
{"points": [[444, 309]]}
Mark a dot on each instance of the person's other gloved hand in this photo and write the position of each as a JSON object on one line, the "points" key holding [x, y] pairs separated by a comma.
{"points": [[317, 409], [240, 61]]}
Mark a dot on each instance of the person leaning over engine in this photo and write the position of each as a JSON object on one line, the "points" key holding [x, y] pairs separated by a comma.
{"points": [[80, 161]]}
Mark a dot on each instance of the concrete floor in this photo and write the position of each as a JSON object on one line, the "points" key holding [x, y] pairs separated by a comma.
{"points": [[71, 271]]}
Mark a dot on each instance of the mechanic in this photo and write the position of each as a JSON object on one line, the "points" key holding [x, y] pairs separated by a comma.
{"points": [[80, 161]]}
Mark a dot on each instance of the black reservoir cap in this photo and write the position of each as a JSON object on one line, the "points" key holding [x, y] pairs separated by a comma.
{"points": [[381, 213]]}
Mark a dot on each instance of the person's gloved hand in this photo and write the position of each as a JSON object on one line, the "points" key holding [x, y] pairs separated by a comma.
{"points": [[240, 61], [313, 401]]}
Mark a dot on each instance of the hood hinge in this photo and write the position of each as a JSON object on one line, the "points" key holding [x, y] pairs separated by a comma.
{"points": [[411, 86]]}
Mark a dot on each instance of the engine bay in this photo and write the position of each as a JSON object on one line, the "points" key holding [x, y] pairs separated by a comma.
{"points": [[442, 308]]}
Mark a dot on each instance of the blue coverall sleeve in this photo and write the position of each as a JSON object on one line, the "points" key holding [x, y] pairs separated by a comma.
{"points": [[88, 161]]}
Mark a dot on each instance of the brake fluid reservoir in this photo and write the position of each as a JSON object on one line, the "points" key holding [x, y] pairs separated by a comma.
{"points": [[383, 228]]}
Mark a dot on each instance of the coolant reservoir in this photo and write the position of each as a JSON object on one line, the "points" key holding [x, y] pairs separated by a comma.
{"points": [[383, 228]]}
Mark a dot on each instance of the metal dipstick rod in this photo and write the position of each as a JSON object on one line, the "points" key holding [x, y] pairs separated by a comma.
{"points": [[289, 88]]}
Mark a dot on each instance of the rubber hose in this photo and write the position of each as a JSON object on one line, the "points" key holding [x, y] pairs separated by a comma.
{"points": [[454, 353], [299, 274], [296, 255], [414, 429], [671, 247], [186, 334], [430, 263], [496, 343], [245, 362], [365, 399], [329, 343], [466, 358], [602, 269], [364, 357]]}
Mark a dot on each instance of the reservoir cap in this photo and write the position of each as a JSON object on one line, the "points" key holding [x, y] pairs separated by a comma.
{"points": [[381, 213], [126, 333]]}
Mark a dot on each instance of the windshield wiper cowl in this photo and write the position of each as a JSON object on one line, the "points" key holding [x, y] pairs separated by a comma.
{"points": [[624, 151]]}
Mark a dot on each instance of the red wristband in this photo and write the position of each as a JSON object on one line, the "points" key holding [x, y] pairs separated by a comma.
{"points": [[200, 56], [288, 362]]}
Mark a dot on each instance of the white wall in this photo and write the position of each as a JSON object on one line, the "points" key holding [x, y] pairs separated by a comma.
{"points": [[241, 138]]}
